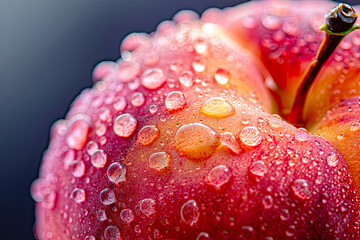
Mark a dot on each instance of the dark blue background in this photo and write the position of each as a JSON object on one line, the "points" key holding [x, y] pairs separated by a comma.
{"points": [[48, 49]]}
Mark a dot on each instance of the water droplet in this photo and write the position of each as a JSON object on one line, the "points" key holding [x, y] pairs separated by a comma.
{"points": [[275, 121], [284, 214], [148, 134], [332, 160], [125, 125], [228, 139], [199, 65], [153, 109], [100, 129], [101, 215], [78, 195], [271, 22], [290, 232], [137, 99], [68, 158], [116, 172], [355, 126], [258, 168], [90, 237], [112, 233], [119, 103], [200, 46], [222, 76], [219, 176], [175, 101], [91, 147], [302, 135], [267, 202], [99, 159], [147, 206], [250, 136], [128, 71], [341, 136], [107, 196], [78, 168], [77, 134], [196, 140], [159, 160], [127, 215], [301, 189], [104, 113], [190, 212], [217, 107], [186, 78], [153, 78]]}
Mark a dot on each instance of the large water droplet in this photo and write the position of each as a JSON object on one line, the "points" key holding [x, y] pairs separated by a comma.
{"points": [[99, 159], [301, 134], [186, 78], [222, 76], [125, 125], [301, 189], [190, 212], [112, 233], [78, 168], [159, 160], [250, 136], [332, 159], [116, 172], [107, 196], [127, 215], [271, 22], [219, 176], [196, 140], [175, 101], [275, 121], [147, 206], [148, 134], [78, 195], [258, 168], [217, 107], [77, 134], [153, 78], [128, 71]]}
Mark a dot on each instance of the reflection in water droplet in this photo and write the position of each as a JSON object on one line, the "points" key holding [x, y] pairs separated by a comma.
{"points": [[222, 76], [301, 189], [228, 139], [147, 206], [332, 159], [116, 172], [127, 215], [190, 212], [175, 101], [159, 160], [219, 176], [112, 233], [78, 195], [153, 78], [196, 140], [78, 168], [125, 125], [217, 107], [98, 159], [250, 136], [107, 196], [258, 168]]}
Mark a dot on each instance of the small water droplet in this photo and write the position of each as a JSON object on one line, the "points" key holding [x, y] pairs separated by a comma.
{"points": [[186, 78], [148, 134], [153, 78], [78, 168], [275, 121], [301, 189], [112, 233], [128, 70], [250, 136], [127, 215], [104, 114], [217, 107], [355, 126], [101, 215], [258, 168], [107, 196], [91, 147], [203, 236], [271, 22], [175, 101], [159, 160], [196, 140], [116, 172], [78, 195], [284, 215], [99, 159], [100, 129], [200, 46], [332, 159], [147, 206], [137, 99], [267, 202], [219, 175], [199, 64], [290, 232], [228, 139], [90, 237], [153, 109], [302, 135], [190, 212], [77, 134], [222, 76], [119, 103], [125, 125]]}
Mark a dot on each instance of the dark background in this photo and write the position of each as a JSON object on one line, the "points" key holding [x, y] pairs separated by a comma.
{"points": [[48, 49]]}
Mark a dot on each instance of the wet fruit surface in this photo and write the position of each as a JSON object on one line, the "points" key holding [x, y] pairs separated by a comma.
{"points": [[177, 139]]}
